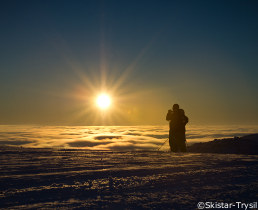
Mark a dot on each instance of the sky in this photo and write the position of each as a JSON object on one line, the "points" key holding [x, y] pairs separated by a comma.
{"points": [[57, 56]]}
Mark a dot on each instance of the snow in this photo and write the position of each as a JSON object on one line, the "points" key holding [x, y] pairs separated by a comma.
{"points": [[70, 178], [119, 167]]}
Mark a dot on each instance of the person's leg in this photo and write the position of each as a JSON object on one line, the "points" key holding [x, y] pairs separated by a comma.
{"points": [[175, 146], [173, 142], [182, 141], [170, 140], [176, 141], [182, 146]]}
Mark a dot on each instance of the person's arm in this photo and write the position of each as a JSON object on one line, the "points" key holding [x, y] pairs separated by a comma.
{"points": [[168, 117], [186, 120]]}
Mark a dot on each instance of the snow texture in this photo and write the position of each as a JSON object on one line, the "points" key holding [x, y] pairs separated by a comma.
{"points": [[33, 178]]}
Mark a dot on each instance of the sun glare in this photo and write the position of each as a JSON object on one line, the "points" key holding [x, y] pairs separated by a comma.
{"points": [[103, 101]]}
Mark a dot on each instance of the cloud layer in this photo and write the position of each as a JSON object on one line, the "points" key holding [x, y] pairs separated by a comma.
{"points": [[116, 138]]}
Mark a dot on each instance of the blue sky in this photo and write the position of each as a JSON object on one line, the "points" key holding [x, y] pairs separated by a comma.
{"points": [[57, 55]]}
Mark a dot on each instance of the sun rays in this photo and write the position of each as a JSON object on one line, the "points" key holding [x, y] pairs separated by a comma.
{"points": [[102, 76], [105, 101]]}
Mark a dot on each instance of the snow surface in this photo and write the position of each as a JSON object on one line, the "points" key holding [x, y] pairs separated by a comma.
{"points": [[51, 178]]}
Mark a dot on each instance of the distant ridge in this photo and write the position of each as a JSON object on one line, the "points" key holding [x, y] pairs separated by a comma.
{"points": [[238, 145]]}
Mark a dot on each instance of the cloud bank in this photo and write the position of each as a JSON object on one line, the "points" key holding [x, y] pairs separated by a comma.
{"points": [[115, 138]]}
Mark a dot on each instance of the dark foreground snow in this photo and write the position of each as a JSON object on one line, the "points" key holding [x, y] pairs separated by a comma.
{"points": [[46, 178]]}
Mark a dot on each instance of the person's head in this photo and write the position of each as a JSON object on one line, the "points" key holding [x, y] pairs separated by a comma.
{"points": [[175, 107]]}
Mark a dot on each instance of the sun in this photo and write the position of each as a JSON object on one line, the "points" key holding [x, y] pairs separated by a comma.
{"points": [[103, 101]]}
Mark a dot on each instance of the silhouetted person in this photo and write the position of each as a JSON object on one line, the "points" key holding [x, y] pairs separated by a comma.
{"points": [[177, 123]]}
